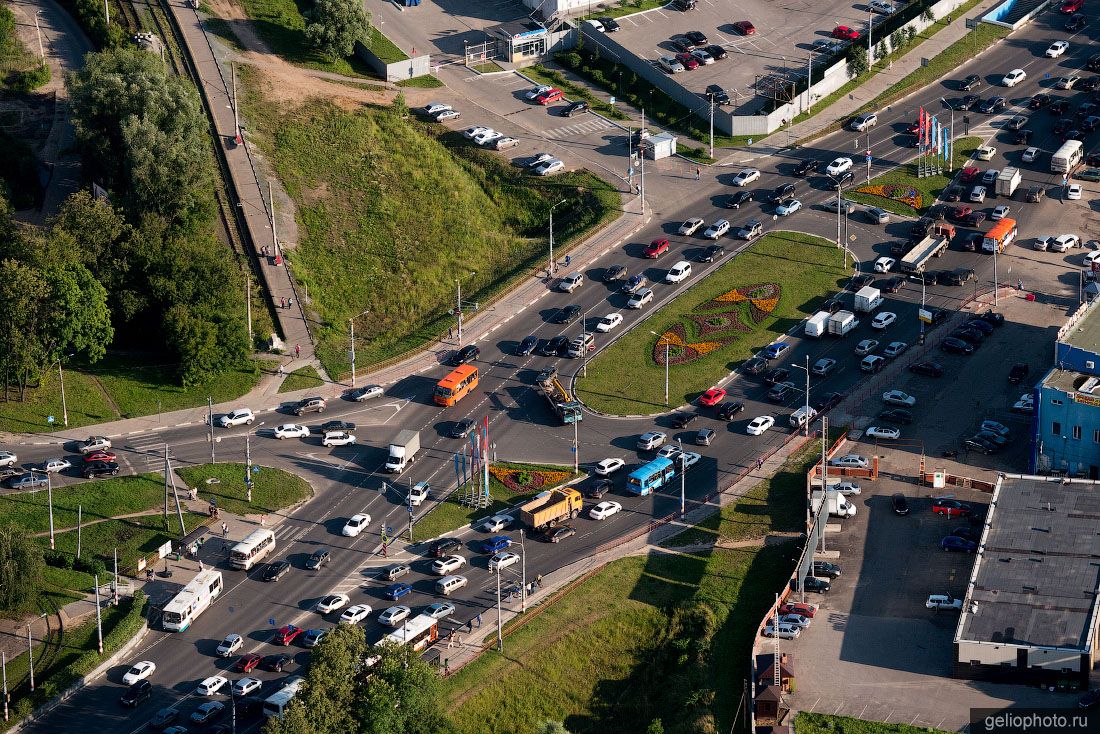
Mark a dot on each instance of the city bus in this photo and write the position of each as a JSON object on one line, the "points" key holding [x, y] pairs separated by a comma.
{"points": [[275, 704], [998, 238], [653, 475], [251, 550], [1066, 157], [417, 633], [192, 601], [456, 385]]}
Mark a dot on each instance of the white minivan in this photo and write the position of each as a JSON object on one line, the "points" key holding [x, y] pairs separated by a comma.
{"points": [[678, 272], [449, 584], [802, 416], [571, 282]]}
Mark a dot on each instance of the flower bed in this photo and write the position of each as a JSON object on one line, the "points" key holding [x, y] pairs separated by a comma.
{"points": [[726, 324], [897, 192], [523, 481]]}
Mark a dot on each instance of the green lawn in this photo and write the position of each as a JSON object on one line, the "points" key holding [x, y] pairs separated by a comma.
{"points": [[826, 724], [626, 7], [302, 378], [450, 515], [905, 177], [392, 210], [99, 499], [385, 49], [422, 82], [627, 379], [222, 30], [133, 537], [273, 489]]}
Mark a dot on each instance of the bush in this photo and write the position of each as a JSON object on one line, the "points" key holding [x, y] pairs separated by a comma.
{"points": [[57, 559], [93, 566], [33, 79]]}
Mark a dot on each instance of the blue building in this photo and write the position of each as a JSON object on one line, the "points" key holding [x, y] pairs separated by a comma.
{"points": [[1067, 401]]}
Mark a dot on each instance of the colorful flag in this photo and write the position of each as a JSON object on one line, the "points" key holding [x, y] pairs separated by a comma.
{"points": [[485, 462], [935, 135], [920, 127]]}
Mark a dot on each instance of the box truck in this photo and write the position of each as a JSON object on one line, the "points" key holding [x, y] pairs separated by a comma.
{"points": [[402, 451]]}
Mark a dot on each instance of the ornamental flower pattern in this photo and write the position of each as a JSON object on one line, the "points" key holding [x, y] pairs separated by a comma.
{"points": [[904, 194], [527, 480], [717, 328]]}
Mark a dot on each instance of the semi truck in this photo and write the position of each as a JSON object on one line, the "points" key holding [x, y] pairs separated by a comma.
{"points": [[402, 451], [868, 299], [561, 402], [549, 507], [837, 504], [1007, 181], [841, 322], [934, 244], [818, 324]]}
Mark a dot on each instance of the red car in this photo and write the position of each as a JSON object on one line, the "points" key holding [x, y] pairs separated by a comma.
{"points": [[1072, 6], [285, 635], [689, 62], [552, 95], [961, 212], [845, 33], [99, 456], [656, 248], [744, 27], [913, 128], [806, 610], [245, 663], [712, 396], [969, 174], [951, 508]]}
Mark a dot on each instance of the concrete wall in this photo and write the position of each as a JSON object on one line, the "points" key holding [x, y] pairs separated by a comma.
{"points": [[397, 71], [996, 15], [985, 653]]}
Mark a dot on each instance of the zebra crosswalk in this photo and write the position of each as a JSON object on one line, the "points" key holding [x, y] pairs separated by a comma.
{"points": [[591, 125], [146, 453]]}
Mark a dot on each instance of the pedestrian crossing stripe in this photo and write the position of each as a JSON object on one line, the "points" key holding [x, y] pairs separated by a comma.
{"points": [[590, 126]]}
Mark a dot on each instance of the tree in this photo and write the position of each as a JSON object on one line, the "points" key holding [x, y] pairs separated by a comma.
{"points": [[336, 26], [857, 61], [23, 292], [553, 727], [20, 568], [880, 50], [76, 317]]}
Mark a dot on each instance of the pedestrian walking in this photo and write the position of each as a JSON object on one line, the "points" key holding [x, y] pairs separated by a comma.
{"points": [[263, 521], [225, 530], [759, 464], [470, 626], [290, 303], [451, 639], [478, 618], [1019, 285], [450, 332], [698, 172], [282, 303], [446, 667], [538, 581], [297, 350], [281, 371]]}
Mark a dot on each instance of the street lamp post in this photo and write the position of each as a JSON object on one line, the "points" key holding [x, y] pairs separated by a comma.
{"points": [[806, 425], [49, 499], [459, 305], [64, 405], [550, 269], [660, 339], [248, 461], [683, 479], [523, 565], [41, 53], [351, 324]]}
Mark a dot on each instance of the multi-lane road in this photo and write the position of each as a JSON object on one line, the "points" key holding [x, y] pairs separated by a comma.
{"points": [[347, 480]]}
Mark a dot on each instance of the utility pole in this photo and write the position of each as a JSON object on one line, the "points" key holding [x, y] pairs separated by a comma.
{"points": [[64, 405], [248, 305], [49, 500], [351, 324], [107, 13], [274, 237], [30, 648], [500, 636], [641, 165], [98, 618], [712, 127], [79, 521], [41, 53], [667, 343], [806, 425], [551, 268], [236, 119], [683, 478], [523, 565], [4, 668], [114, 587], [210, 423], [576, 450], [459, 305]]}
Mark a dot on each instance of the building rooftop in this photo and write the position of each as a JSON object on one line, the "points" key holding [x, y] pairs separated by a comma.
{"points": [[1038, 571], [1067, 380], [1085, 334]]}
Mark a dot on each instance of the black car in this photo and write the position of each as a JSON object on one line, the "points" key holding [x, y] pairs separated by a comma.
{"points": [[1087, 109], [207, 712], [276, 662], [1038, 102], [813, 583], [610, 25], [1018, 372], [598, 488], [682, 44], [832, 305], [276, 570], [711, 254], [331, 426], [137, 693], [781, 391], [952, 193], [613, 273], [901, 505], [826, 569], [1076, 22], [99, 469], [994, 438], [1022, 137], [972, 336], [317, 559], [696, 37], [553, 347], [967, 532], [468, 353], [993, 318], [1093, 63], [807, 167], [734, 201], [716, 94], [575, 108], [681, 420], [981, 325], [444, 546], [779, 374], [727, 411], [1090, 699], [890, 285], [1089, 84], [979, 445], [842, 180], [559, 533], [993, 104], [250, 706], [859, 281], [462, 428], [970, 83], [568, 314], [527, 346], [828, 402], [716, 52], [783, 191], [1059, 107], [754, 366], [897, 416], [1035, 194], [973, 219], [163, 718], [956, 346], [967, 102]]}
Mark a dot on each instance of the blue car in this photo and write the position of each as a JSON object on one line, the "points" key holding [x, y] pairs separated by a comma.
{"points": [[527, 346], [396, 591], [777, 350], [955, 543], [496, 543]]}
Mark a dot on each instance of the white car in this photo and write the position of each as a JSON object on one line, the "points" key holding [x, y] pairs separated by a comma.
{"points": [[671, 451], [211, 685], [689, 227], [604, 510], [368, 392], [943, 601], [434, 108], [885, 432], [240, 416], [717, 229], [609, 322], [689, 458], [331, 602], [355, 614], [486, 135], [596, 25], [355, 525], [883, 319], [1013, 78], [1074, 191], [651, 440], [893, 349], [245, 686], [53, 466], [291, 430], [848, 489], [977, 194], [1056, 49], [503, 559], [788, 208], [897, 397], [669, 64], [1092, 257], [551, 166], [881, 7], [759, 425], [1000, 212], [496, 523], [7, 458], [338, 438], [445, 565], [866, 346], [702, 57], [985, 152], [1042, 244], [536, 91], [139, 671], [783, 632], [229, 645], [679, 272], [1030, 155], [1067, 82], [607, 467], [838, 166], [1065, 242], [472, 132], [885, 264], [851, 461], [746, 177], [795, 620], [640, 298], [394, 616]]}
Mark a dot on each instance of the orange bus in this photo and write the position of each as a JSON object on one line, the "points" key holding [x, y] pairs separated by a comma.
{"points": [[1000, 236], [456, 385]]}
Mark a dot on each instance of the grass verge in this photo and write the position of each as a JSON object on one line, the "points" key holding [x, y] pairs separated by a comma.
{"points": [[422, 82], [303, 378], [134, 537], [711, 337], [282, 25], [272, 489], [362, 181], [807, 723], [904, 179], [627, 8], [450, 515], [574, 92], [385, 49], [97, 500]]}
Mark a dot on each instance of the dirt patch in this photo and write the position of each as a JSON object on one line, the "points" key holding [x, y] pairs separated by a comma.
{"points": [[290, 86], [242, 26]]}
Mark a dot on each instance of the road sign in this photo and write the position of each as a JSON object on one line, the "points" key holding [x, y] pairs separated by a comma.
{"points": [[49, 419], [1065, 180], [924, 315], [573, 449], [1046, 75], [271, 621], [612, 100], [868, 157], [255, 470]]}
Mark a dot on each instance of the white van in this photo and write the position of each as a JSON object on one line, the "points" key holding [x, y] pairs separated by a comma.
{"points": [[678, 272], [802, 416], [419, 493], [449, 584], [571, 282]]}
